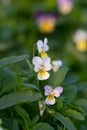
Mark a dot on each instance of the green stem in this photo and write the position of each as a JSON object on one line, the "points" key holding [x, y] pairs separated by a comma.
{"points": [[64, 128], [29, 64], [38, 84], [33, 50]]}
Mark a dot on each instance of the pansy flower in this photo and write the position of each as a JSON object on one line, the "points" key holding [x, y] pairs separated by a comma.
{"points": [[46, 22], [51, 94], [43, 47], [80, 38], [56, 65], [65, 6], [42, 66]]}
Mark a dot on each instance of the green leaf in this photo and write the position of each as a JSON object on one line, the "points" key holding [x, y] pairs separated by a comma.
{"points": [[69, 94], [59, 103], [35, 119], [15, 125], [81, 86], [82, 103], [65, 121], [12, 60], [18, 97], [21, 111], [58, 77], [7, 80], [42, 126], [74, 114], [70, 79], [77, 108], [30, 86]]}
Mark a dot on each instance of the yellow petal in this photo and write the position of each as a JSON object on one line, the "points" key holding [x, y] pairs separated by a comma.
{"points": [[43, 54], [47, 26], [42, 75], [50, 100], [51, 97], [82, 45]]}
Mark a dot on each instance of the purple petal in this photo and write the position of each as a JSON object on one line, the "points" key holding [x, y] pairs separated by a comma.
{"points": [[59, 89], [47, 89]]}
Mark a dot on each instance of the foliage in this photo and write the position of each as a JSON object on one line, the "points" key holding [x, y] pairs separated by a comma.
{"points": [[22, 97], [19, 102]]}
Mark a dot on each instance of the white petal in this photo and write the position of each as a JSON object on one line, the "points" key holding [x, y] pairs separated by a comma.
{"points": [[47, 65], [40, 45], [37, 60], [47, 89], [57, 63], [46, 47], [57, 91], [43, 76], [79, 35], [50, 102], [36, 68], [45, 40]]}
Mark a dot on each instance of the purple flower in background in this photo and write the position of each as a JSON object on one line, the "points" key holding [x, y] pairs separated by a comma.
{"points": [[65, 6], [51, 94], [46, 22]]}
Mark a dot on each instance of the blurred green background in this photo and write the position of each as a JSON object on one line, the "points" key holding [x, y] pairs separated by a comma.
{"points": [[20, 30]]}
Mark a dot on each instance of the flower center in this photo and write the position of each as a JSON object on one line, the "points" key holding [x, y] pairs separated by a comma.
{"points": [[47, 26], [43, 54], [50, 97], [42, 72]]}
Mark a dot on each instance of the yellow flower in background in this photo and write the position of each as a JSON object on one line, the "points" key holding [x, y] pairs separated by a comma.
{"points": [[42, 66], [65, 6], [46, 22], [80, 39], [43, 47]]}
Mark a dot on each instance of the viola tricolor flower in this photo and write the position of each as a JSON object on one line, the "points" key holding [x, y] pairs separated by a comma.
{"points": [[43, 47], [51, 94], [80, 38], [46, 22], [65, 6], [42, 66], [56, 65]]}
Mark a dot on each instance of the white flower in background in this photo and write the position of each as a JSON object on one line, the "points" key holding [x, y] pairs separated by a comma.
{"points": [[51, 94], [43, 47], [65, 6], [56, 65], [80, 38], [41, 66]]}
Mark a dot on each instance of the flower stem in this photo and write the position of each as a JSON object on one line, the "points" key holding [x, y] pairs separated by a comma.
{"points": [[29, 64]]}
